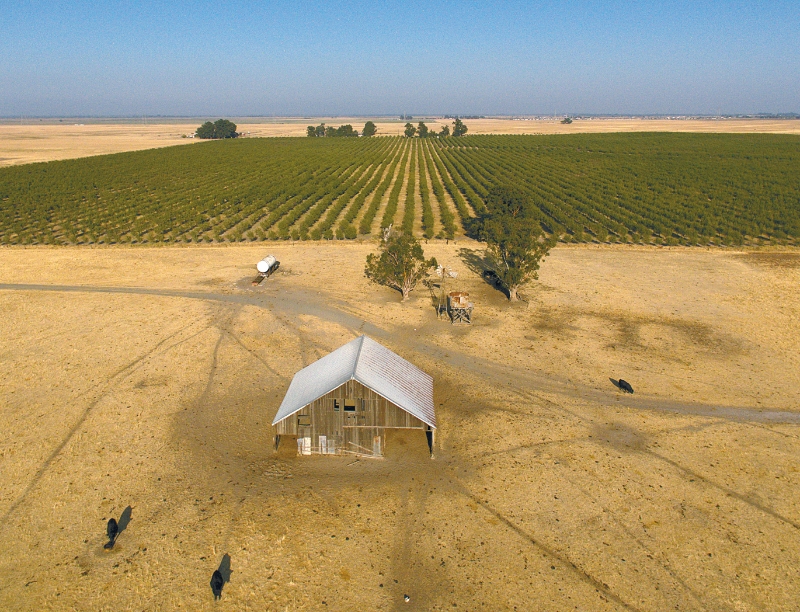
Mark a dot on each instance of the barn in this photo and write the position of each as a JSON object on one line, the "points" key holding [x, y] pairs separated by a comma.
{"points": [[344, 403]]}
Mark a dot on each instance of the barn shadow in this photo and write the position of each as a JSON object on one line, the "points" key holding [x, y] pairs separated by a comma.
{"points": [[406, 445]]}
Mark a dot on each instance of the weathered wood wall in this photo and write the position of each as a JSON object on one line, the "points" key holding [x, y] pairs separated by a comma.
{"points": [[358, 430]]}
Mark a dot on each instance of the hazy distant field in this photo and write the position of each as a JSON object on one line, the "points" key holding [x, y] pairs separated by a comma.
{"points": [[647, 188], [149, 377], [52, 139]]}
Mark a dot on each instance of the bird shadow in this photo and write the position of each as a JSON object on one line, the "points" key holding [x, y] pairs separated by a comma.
{"points": [[221, 576], [225, 567], [115, 528], [124, 519], [622, 385]]}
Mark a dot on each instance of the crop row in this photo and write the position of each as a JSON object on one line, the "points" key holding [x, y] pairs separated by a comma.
{"points": [[648, 188]]}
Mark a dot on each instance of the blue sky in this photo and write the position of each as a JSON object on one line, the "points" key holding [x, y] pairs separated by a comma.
{"points": [[342, 58]]}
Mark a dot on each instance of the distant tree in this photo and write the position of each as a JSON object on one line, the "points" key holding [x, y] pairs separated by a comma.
{"points": [[422, 130], [225, 129], [369, 129], [329, 131], [459, 129], [566, 120], [399, 264], [445, 131], [205, 131], [345, 131], [410, 130], [221, 128], [516, 242]]}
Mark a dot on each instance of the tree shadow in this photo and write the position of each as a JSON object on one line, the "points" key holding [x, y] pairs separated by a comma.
{"points": [[482, 267], [474, 261]]}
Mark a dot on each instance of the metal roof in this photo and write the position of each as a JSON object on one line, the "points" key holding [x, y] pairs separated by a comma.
{"points": [[371, 364]]}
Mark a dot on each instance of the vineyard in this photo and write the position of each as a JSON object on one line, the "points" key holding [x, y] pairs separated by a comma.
{"points": [[693, 189]]}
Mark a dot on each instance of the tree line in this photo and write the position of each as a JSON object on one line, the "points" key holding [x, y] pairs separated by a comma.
{"points": [[423, 131], [343, 131], [420, 130]]}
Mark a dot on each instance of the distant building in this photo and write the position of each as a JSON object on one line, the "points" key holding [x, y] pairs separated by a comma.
{"points": [[345, 402]]}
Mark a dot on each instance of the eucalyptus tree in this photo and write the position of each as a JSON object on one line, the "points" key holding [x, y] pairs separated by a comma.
{"points": [[516, 242]]}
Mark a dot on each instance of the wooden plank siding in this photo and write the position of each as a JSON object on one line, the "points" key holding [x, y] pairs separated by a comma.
{"points": [[351, 420]]}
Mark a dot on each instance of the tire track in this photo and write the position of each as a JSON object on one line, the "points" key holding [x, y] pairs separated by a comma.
{"points": [[563, 559], [103, 392], [686, 471]]}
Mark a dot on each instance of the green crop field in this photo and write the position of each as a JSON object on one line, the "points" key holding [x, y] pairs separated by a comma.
{"points": [[642, 188]]}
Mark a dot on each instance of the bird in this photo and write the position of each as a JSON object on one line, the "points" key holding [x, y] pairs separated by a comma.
{"points": [[625, 386], [217, 582], [111, 530]]}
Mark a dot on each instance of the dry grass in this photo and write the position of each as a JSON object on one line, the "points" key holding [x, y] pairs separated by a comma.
{"points": [[48, 141], [149, 377]]}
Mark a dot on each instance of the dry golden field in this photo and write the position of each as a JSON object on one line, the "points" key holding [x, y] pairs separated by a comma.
{"points": [[51, 140], [149, 377]]}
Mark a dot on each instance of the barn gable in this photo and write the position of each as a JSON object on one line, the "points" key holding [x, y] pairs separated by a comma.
{"points": [[374, 366]]}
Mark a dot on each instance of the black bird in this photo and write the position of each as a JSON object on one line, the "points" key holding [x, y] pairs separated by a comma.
{"points": [[625, 386], [111, 530], [217, 582]]}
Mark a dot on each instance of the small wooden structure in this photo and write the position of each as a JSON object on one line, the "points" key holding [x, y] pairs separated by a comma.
{"points": [[459, 306], [345, 402]]}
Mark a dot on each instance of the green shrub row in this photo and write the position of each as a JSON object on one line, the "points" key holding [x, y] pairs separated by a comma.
{"points": [[705, 189]]}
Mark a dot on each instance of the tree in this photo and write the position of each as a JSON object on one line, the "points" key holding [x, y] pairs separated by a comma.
{"points": [[330, 131], [345, 131], [400, 263], [311, 131], [459, 129], [410, 130], [320, 130], [221, 128], [369, 129], [516, 242], [445, 131], [205, 131], [422, 130]]}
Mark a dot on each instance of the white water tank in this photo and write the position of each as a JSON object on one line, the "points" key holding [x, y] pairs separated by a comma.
{"points": [[265, 264]]}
